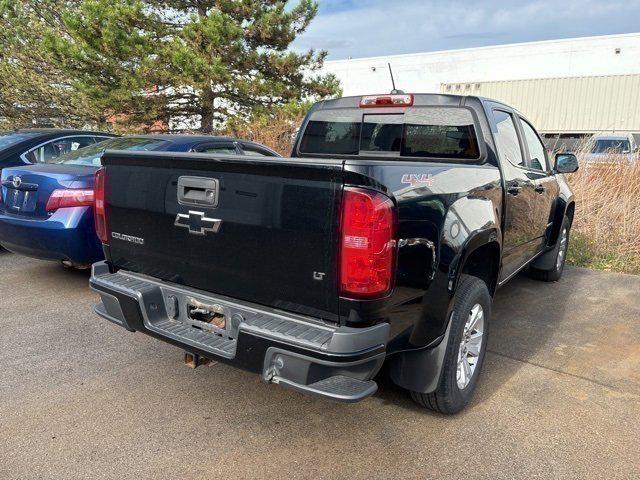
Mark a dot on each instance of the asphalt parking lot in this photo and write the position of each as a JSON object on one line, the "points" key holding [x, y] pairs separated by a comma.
{"points": [[81, 398]]}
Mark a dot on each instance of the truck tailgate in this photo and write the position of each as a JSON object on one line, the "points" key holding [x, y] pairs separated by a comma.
{"points": [[261, 230]]}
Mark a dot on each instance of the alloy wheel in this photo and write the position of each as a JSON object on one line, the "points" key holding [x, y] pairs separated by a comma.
{"points": [[469, 351], [563, 249]]}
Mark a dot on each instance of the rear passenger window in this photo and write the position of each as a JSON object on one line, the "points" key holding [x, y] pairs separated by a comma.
{"points": [[50, 151], [507, 139]]}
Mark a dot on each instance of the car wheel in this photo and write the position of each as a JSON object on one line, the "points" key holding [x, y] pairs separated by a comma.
{"points": [[554, 273], [465, 351]]}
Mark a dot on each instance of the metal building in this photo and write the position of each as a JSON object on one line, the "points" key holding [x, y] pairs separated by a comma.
{"points": [[567, 105], [573, 86]]}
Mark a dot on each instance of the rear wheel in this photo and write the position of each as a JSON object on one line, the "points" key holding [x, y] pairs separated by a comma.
{"points": [[554, 273], [465, 351]]}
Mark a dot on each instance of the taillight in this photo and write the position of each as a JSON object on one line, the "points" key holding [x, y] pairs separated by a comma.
{"points": [[402, 100], [76, 197], [99, 210], [368, 246]]}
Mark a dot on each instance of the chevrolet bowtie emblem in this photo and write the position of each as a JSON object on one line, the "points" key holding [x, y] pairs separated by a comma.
{"points": [[197, 223]]}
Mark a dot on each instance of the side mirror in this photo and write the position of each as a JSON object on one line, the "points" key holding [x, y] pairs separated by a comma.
{"points": [[566, 163]]}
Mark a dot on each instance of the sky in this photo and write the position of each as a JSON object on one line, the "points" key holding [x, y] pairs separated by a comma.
{"points": [[366, 28]]}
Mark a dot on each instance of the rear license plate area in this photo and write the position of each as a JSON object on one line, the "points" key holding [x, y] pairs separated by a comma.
{"points": [[206, 317], [196, 313], [199, 314], [20, 200]]}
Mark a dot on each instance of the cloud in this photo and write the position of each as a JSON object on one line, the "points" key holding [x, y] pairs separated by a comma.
{"points": [[350, 28], [475, 35]]}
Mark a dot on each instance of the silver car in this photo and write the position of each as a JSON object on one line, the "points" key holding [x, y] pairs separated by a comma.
{"points": [[621, 148]]}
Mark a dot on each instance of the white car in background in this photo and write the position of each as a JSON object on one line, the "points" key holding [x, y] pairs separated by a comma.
{"points": [[612, 149]]}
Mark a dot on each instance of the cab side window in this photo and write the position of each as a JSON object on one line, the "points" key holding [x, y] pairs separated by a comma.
{"points": [[507, 139], [537, 152]]}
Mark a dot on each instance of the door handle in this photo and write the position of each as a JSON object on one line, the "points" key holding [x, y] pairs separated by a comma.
{"points": [[539, 188], [514, 189], [198, 191]]}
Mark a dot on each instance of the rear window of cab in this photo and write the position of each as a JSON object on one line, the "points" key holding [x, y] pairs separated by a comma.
{"points": [[423, 132]]}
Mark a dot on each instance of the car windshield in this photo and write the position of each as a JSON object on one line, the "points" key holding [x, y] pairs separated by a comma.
{"points": [[92, 154], [611, 146], [8, 139], [428, 132]]}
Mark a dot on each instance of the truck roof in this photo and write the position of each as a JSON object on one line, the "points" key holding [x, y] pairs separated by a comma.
{"points": [[424, 99], [419, 99]]}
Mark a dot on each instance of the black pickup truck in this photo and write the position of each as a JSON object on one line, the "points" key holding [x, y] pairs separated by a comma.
{"points": [[382, 240]]}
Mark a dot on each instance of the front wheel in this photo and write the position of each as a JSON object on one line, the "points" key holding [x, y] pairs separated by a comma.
{"points": [[465, 351]]}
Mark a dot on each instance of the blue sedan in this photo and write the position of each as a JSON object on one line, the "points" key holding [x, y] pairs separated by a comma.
{"points": [[46, 211]]}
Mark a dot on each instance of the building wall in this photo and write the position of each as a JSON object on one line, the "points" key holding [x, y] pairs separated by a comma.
{"points": [[576, 105], [425, 72]]}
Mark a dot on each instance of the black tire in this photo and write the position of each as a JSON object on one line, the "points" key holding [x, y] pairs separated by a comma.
{"points": [[449, 397], [554, 273]]}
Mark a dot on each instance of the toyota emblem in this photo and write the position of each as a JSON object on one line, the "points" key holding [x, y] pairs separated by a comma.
{"points": [[17, 181]]}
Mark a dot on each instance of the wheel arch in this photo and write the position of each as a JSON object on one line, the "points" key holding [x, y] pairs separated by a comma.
{"points": [[564, 208], [480, 258], [421, 370], [570, 212]]}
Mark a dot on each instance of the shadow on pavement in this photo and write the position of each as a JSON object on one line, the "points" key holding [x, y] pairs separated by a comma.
{"points": [[585, 326], [527, 314]]}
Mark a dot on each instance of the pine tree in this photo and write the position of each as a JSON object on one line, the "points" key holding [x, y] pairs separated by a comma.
{"points": [[188, 59], [34, 90]]}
